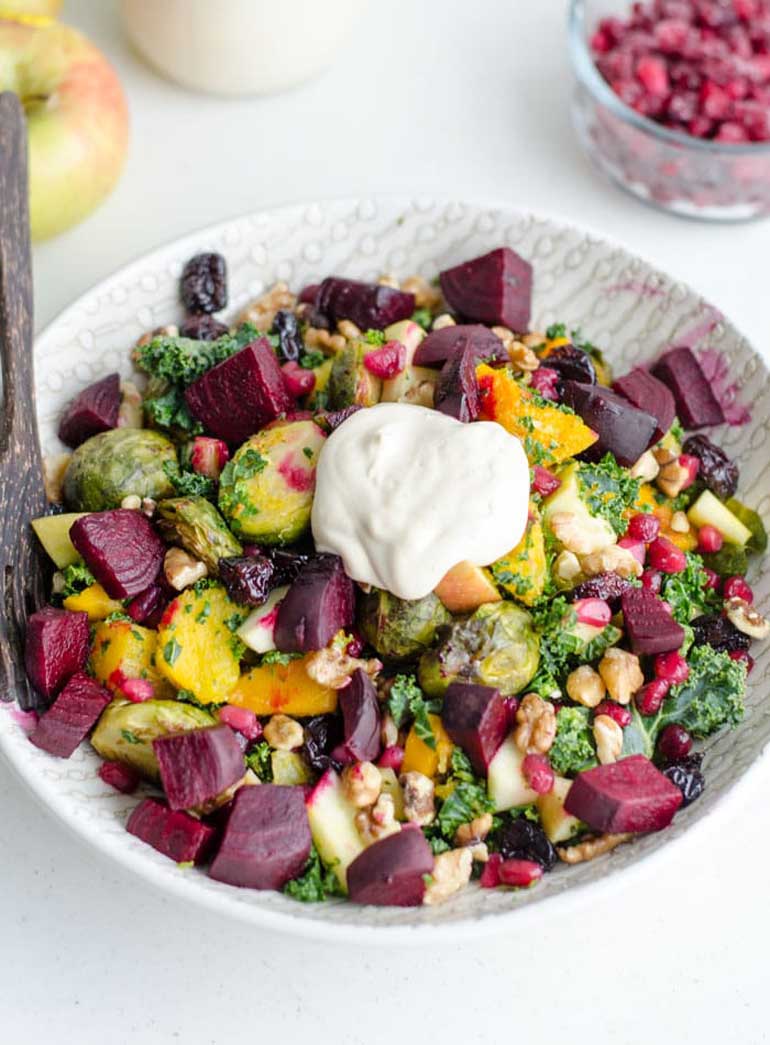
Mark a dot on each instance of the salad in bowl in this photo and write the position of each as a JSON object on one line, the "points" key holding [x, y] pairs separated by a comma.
{"points": [[377, 592]]}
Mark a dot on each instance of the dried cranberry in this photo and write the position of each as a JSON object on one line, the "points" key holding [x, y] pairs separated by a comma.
{"points": [[521, 839], [202, 327], [674, 743], [606, 586], [490, 876], [322, 735], [719, 632], [299, 381], [286, 564], [290, 346], [387, 361], [687, 776], [391, 758], [737, 588], [248, 579], [637, 548], [204, 283], [644, 527], [717, 471]]}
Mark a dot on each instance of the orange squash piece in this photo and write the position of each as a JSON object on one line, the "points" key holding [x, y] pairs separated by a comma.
{"points": [[419, 757], [285, 688], [122, 650], [94, 601]]}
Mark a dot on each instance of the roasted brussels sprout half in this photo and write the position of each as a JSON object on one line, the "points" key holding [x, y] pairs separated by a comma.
{"points": [[496, 646], [399, 628], [266, 489], [110, 466], [125, 731], [196, 525], [350, 383]]}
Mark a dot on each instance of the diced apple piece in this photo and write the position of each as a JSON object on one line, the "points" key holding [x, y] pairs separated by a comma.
{"points": [[420, 757], [332, 824], [258, 630], [708, 510], [505, 780], [466, 587], [558, 825], [53, 532], [404, 386], [391, 786]]}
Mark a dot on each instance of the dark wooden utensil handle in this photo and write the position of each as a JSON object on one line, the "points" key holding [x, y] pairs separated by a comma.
{"points": [[22, 577]]}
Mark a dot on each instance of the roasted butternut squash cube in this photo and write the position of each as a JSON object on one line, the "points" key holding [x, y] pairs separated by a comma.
{"points": [[285, 688], [122, 650]]}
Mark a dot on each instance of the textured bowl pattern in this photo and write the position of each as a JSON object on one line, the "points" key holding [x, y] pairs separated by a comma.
{"points": [[620, 302]]}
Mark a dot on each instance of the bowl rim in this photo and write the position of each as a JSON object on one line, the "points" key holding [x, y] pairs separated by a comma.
{"points": [[588, 75], [183, 887]]}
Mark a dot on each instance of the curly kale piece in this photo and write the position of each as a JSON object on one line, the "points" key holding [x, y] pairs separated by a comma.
{"points": [[562, 646], [77, 576], [169, 411], [258, 760], [190, 484], [467, 799], [688, 592], [180, 360], [573, 748], [405, 701], [316, 883]]}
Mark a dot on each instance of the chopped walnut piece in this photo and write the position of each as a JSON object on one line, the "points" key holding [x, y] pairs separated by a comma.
{"points": [[444, 320], [181, 570], [579, 535], [379, 820], [536, 725], [333, 667], [362, 784], [316, 337], [348, 329], [425, 295], [54, 467], [419, 804], [621, 674], [475, 831], [612, 559], [646, 468], [673, 476], [585, 686], [746, 618], [284, 733], [261, 312], [451, 872], [609, 739], [590, 848], [130, 413]]}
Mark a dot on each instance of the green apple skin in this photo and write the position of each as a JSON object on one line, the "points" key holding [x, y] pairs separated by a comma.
{"points": [[77, 120]]}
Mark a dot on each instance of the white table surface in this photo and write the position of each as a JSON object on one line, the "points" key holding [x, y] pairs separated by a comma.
{"points": [[469, 99]]}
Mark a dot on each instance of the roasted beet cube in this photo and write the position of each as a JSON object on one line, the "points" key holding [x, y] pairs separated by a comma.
{"points": [[457, 390], [476, 719], [368, 305], [495, 289], [248, 578], [267, 838], [361, 718], [696, 404], [320, 602], [647, 393], [147, 607], [56, 646], [121, 549], [391, 872], [630, 795], [94, 410], [441, 345], [716, 470], [242, 394], [649, 625], [71, 716], [197, 766], [175, 834], [622, 429]]}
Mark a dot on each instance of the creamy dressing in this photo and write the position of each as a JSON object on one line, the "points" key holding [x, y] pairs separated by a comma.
{"points": [[404, 493]]}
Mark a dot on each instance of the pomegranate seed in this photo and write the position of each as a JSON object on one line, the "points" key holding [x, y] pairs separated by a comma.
{"points": [[511, 707], [386, 361], [637, 548], [672, 667], [600, 42], [490, 876], [709, 539], [731, 133], [736, 587], [653, 75], [519, 873], [241, 720], [138, 690], [543, 481], [692, 464], [615, 711], [545, 381], [713, 580], [209, 456], [715, 102], [651, 696], [744, 657], [671, 35], [674, 743], [666, 557], [391, 758], [356, 646], [122, 778], [595, 612], [538, 773], [298, 380], [644, 527], [652, 580]]}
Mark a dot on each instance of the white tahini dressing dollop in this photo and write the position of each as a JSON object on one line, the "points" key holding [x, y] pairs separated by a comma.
{"points": [[404, 493]]}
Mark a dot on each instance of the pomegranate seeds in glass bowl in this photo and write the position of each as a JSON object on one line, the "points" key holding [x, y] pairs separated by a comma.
{"points": [[672, 101]]}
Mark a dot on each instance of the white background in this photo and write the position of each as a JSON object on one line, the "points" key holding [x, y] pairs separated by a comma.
{"points": [[452, 97]]}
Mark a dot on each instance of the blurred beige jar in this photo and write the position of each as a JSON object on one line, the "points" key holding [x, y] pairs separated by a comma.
{"points": [[239, 46]]}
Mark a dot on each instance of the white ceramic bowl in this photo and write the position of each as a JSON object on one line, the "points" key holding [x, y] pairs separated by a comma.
{"points": [[621, 302]]}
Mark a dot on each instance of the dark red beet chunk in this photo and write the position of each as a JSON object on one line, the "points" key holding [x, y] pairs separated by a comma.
{"points": [[495, 289], [329, 420], [622, 429], [120, 548], [390, 873], [649, 626], [441, 345], [56, 646], [203, 287], [94, 410], [242, 394], [176, 835], [457, 390], [71, 716], [476, 718], [630, 795], [696, 404], [319, 603], [247, 578], [198, 765], [368, 305], [361, 718], [147, 607], [646, 392], [571, 364], [267, 838], [717, 471]]}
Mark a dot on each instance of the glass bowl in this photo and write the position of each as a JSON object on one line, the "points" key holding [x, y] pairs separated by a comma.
{"points": [[691, 177]]}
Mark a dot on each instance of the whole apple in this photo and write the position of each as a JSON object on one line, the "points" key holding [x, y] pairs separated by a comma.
{"points": [[41, 8], [77, 120]]}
